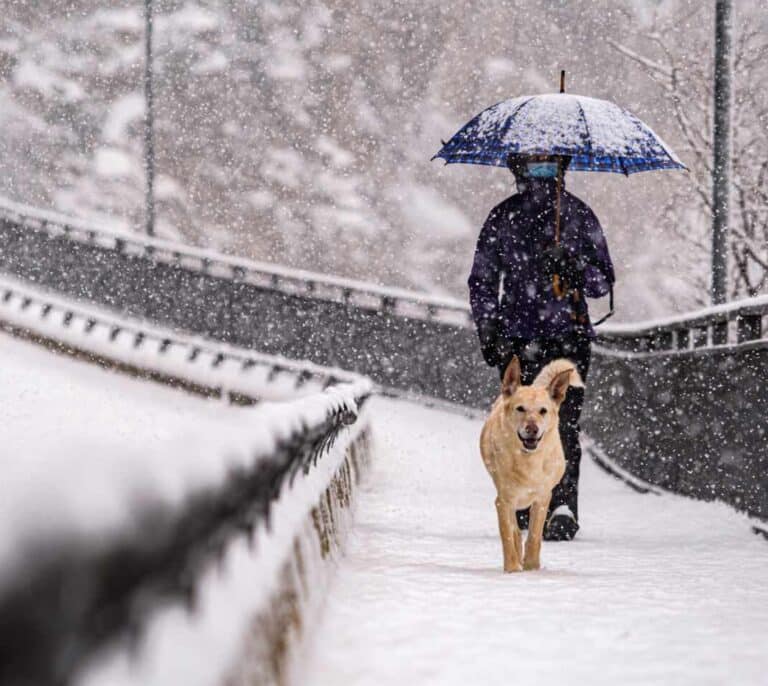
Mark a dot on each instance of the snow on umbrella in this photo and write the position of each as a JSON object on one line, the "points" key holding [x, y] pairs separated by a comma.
{"points": [[596, 134]]}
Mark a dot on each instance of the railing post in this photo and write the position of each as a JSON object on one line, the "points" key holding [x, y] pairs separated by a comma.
{"points": [[749, 327], [720, 332], [683, 339]]}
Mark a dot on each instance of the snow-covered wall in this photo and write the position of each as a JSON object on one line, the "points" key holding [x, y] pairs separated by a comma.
{"points": [[690, 421], [233, 515]]}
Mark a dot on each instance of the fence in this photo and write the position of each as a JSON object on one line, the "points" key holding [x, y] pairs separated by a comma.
{"points": [[681, 403], [398, 339], [63, 599]]}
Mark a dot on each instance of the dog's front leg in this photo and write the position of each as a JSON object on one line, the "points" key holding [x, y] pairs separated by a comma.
{"points": [[511, 540], [535, 532]]}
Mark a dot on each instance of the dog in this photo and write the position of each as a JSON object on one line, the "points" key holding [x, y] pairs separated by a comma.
{"points": [[521, 448]]}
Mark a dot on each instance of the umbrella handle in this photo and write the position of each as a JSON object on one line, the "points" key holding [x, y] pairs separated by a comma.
{"points": [[557, 287]]}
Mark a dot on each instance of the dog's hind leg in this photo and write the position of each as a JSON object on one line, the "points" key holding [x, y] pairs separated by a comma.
{"points": [[535, 532], [511, 539]]}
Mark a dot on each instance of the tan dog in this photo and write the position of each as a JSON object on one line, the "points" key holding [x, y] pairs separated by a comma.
{"points": [[521, 448]]}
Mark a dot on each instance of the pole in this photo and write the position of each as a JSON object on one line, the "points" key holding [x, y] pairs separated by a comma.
{"points": [[722, 150], [149, 147]]}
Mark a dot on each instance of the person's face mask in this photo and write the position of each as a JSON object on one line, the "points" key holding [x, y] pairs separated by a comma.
{"points": [[542, 170]]}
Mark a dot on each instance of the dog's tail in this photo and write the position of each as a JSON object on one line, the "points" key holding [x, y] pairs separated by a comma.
{"points": [[550, 371]]}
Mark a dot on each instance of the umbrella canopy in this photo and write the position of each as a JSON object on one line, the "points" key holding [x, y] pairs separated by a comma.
{"points": [[596, 134]]}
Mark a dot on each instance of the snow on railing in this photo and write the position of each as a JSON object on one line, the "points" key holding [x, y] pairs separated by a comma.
{"points": [[735, 323], [67, 596], [273, 474], [289, 281], [141, 349]]}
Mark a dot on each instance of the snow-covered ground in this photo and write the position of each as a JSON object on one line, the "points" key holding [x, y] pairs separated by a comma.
{"points": [[85, 450], [655, 590], [78, 440]]}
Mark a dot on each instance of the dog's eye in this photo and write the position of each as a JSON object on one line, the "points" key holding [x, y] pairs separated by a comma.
{"points": [[543, 411], [520, 408]]}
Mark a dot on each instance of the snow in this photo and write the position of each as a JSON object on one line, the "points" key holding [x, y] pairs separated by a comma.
{"points": [[214, 365], [212, 638], [189, 19], [86, 469], [285, 166], [217, 61], [500, 68], [124, 112], [338, 156], [37, 77], [127, 20], [114, 162], [424, 207], [655, 589]]}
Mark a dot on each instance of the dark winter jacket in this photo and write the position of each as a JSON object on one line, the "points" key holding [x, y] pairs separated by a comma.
{"points": [[510, 295]]}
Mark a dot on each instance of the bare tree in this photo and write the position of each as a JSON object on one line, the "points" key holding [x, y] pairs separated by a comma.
{"points": [[676, 53]]}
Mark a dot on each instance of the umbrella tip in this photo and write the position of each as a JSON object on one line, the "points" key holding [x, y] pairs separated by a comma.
{"points": [[562, 80]]}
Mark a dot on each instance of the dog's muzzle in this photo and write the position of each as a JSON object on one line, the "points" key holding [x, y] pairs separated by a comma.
{"points": [[530, 443]]}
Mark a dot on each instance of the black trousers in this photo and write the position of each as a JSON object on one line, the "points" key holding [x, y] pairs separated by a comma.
{"points": [[534, 355]]}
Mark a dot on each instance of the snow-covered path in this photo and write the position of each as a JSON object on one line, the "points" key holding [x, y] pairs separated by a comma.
{"points": [[655, 590]]}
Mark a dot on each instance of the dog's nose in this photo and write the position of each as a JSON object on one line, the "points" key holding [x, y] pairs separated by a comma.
{"points": [[530, 429]]}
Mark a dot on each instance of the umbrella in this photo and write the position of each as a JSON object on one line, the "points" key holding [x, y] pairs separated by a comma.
{"points": [[596, 135]]}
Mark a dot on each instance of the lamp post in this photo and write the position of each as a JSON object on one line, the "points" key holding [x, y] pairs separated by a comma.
{"points": [[149, 147], [721, 164]]}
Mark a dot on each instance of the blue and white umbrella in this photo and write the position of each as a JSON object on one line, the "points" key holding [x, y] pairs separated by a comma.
{"points": [[596, 134]]}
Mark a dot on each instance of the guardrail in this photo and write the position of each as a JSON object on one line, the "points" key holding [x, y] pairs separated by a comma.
{"points": [[140, 349], [400, 340], [681, 403], [63, 599], [734, 323], [287, 281]]}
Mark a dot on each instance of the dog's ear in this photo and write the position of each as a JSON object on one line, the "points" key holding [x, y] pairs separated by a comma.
{"points": [[559, 385], [511, 377]]}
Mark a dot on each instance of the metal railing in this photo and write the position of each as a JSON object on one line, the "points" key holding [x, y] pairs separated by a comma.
{"points": [[140, 349], [401, 340], [69, 597], [288, 281], [735, 323]]}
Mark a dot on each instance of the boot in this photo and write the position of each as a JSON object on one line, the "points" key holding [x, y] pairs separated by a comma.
{"points": [[561, 525]]}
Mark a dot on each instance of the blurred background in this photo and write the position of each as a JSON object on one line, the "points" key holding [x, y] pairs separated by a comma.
{"points": [[300, 132]]}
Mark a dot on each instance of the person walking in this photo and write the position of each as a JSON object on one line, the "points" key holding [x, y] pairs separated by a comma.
{"points": [[528, 287]]}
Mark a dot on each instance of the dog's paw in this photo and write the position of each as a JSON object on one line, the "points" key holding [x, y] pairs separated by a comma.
{"points": [[531, 565], [508, 569]]}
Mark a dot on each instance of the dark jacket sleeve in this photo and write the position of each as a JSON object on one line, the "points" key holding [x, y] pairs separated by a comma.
{"points": [[598, 272], [484, 279]]}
